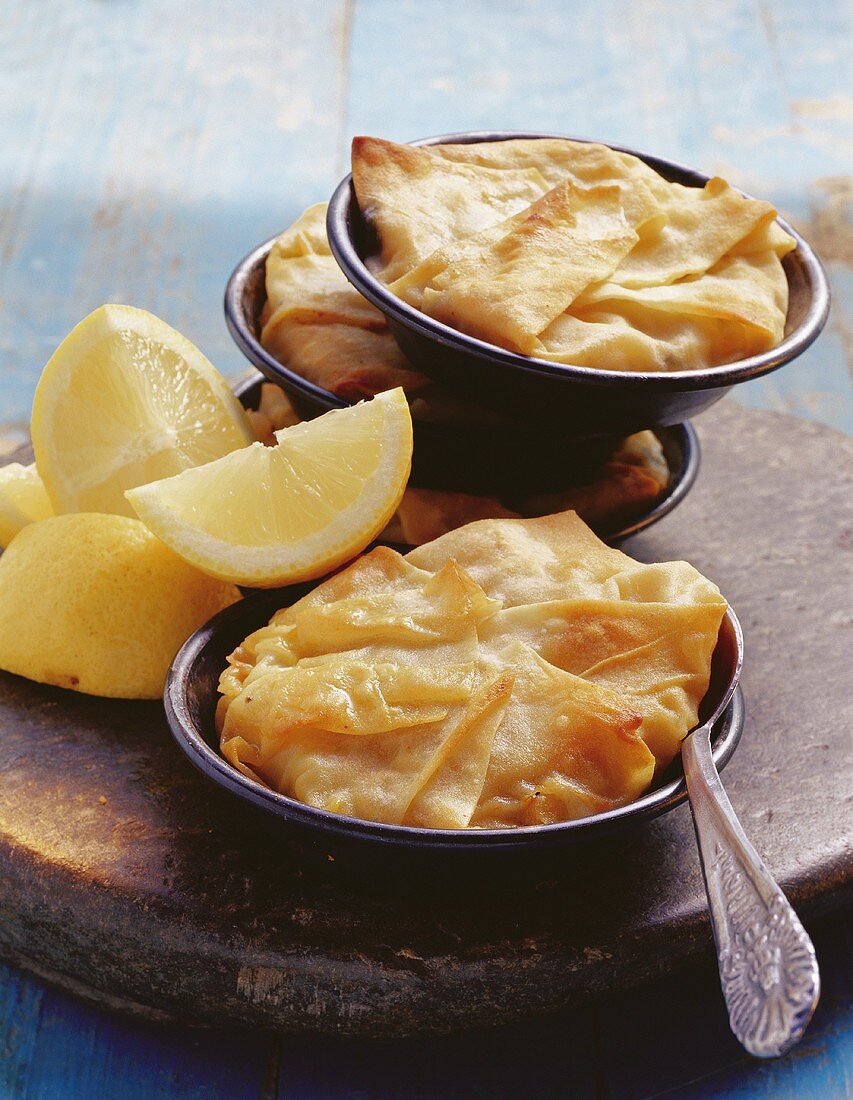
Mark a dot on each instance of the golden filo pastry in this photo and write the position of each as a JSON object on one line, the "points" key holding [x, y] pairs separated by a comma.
{"points": [[315, 321], [319, 326], [622, 490], [347, 360], [698, 226], [420, 202], [565, 747], [311, 289], [739, 299], [648, 631], [609, 642], [509, 282], [644, 451], [512, 673], [555, 159], [356, 697], [610, 267], [528, 561], [302, 277], [426, 514]]}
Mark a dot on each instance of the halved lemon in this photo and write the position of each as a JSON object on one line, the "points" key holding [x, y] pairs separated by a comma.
{"points": [[23, 499], [124, 400], [265, 516], [97, 604]]}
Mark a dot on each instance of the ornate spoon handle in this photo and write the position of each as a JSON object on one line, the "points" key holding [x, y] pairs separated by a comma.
{"points": [[768, 968]]}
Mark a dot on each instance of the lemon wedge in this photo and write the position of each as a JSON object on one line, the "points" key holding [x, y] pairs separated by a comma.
{"points": [[23, 499], [265, 516], [125, 400]]}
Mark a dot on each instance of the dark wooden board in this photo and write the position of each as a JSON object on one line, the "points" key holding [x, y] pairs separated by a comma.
{"points": [[127, 878]]}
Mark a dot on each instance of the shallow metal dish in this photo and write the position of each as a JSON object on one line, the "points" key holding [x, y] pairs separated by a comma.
{"points": [[190, 699], [680, 446], [465, 459], [578, 400]]}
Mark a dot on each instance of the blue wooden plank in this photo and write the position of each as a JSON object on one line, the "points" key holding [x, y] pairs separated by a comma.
{"points": [[144, 148], [56, 1048], [20, 1004], [552, 1059], [756, 92], [671, 1038], [667, 1038], [150, 152], [662, 76]]}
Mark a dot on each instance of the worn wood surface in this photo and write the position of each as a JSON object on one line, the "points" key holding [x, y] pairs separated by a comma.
{"points": [[148, 145], [668, 1038], [127, 878]]}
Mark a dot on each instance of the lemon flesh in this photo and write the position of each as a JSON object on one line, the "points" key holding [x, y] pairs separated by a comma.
{"points": [[23, 500], [266, 516], [123, 401], [96, 603]]}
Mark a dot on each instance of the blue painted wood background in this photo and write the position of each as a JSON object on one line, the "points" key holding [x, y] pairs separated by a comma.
{"points": [[145, 146]]}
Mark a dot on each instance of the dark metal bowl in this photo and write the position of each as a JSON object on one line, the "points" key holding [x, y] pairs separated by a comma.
{"points": [[480, 460], [680, 447], [578, 400], [191, 695]]}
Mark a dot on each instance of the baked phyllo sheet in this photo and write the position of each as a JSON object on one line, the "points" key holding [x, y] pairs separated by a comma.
{"points": [[510, 673], [575, 253]]}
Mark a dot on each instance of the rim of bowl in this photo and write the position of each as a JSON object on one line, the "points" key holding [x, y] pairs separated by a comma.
{"points": [[243, 335], [343, 201], [684, 436], [691, 461], [728, 715]]}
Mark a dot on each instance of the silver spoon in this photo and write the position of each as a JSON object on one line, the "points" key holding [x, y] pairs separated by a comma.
{"points": [[768, 969]]}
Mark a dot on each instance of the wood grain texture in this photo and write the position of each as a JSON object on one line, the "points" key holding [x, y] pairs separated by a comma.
{"points": [[128, 878], [759, 93], [58, 1049], [147, 146], [667, 1038]]}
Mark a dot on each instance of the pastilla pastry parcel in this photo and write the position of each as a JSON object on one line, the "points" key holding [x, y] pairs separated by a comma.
{"points": [[319, 325], [608, 266], [315, 319], [512, 672]]}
